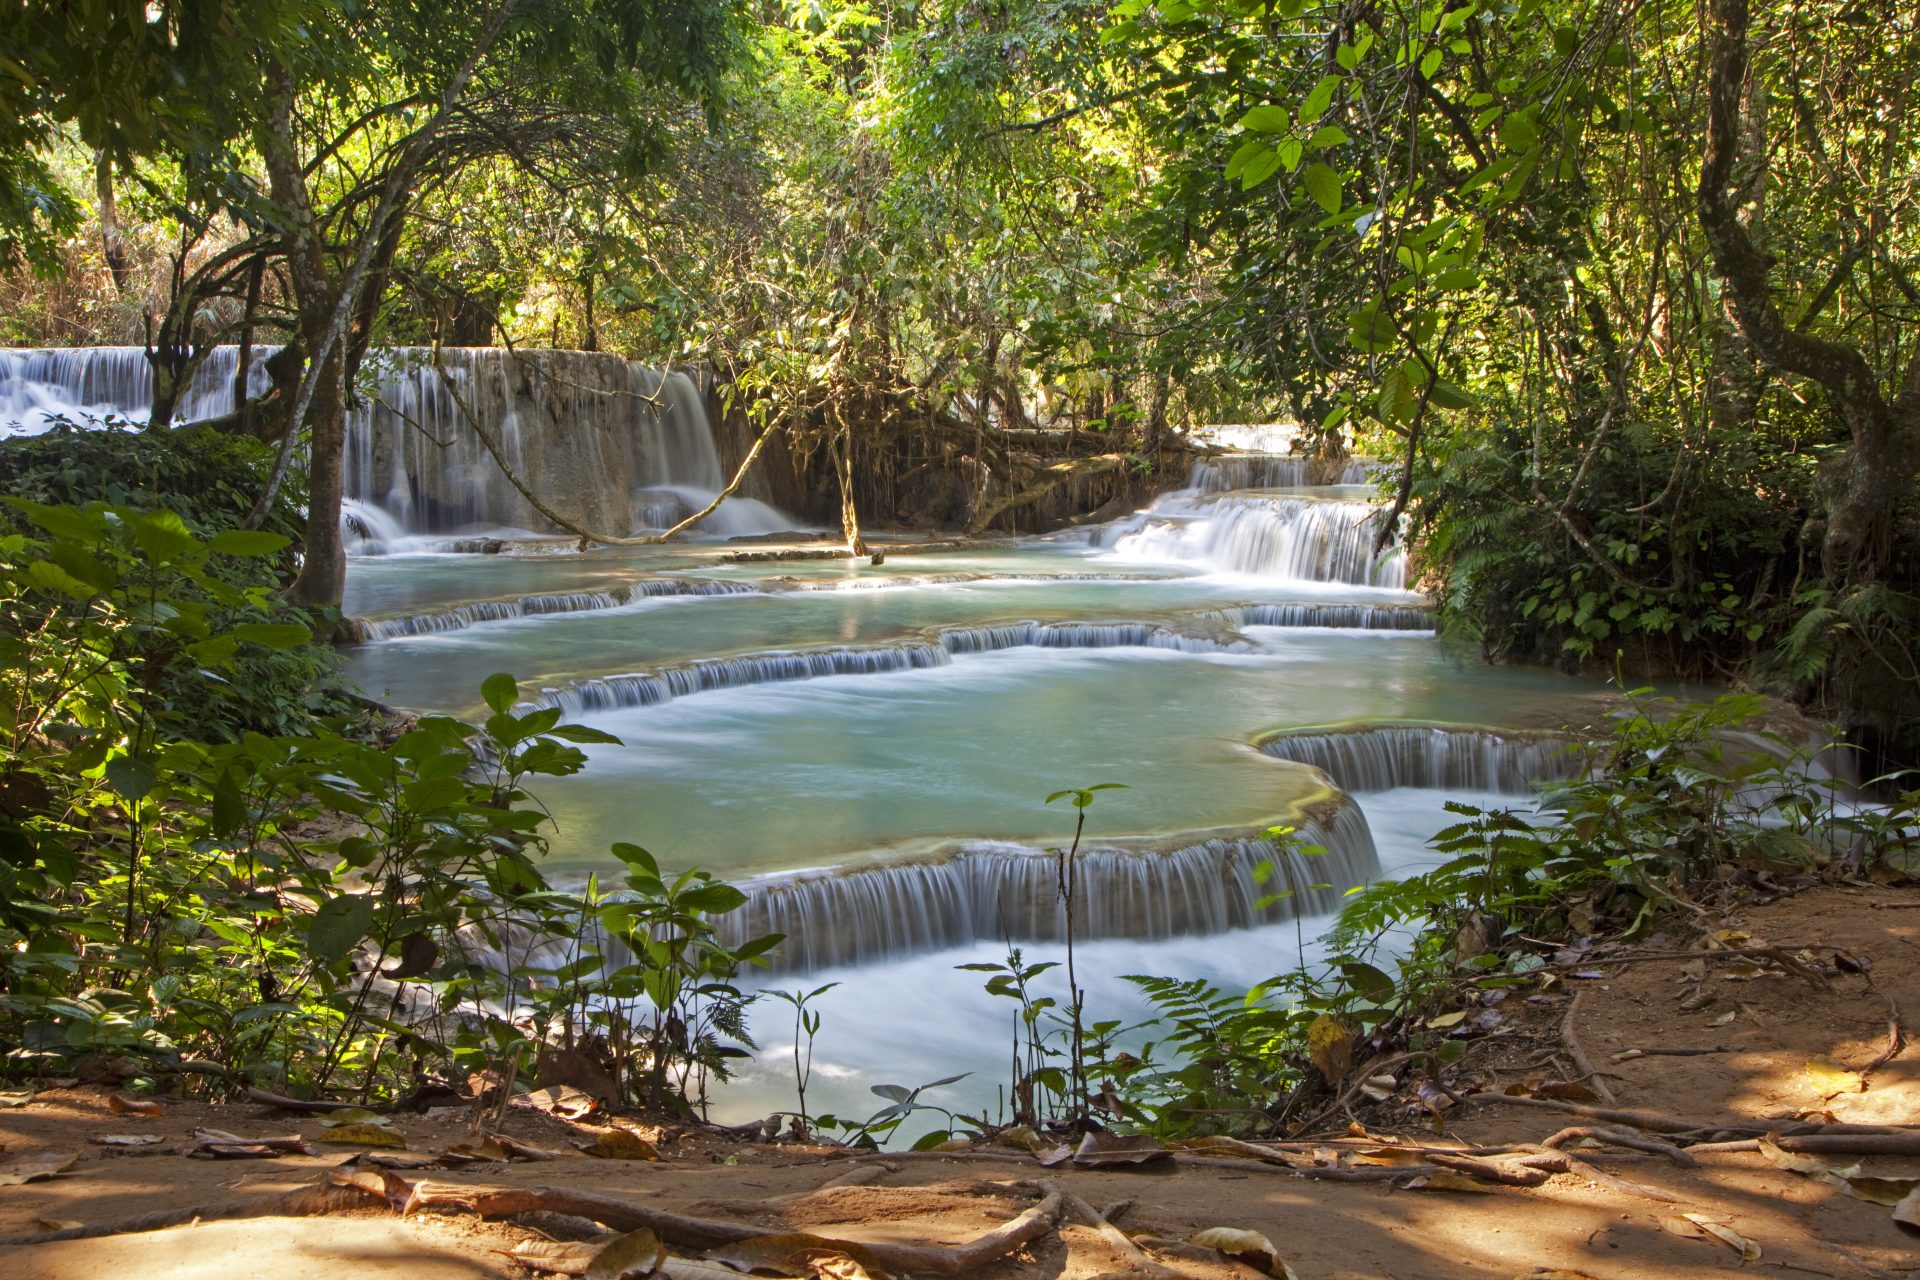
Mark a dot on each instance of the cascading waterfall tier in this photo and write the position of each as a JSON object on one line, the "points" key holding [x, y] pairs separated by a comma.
{"points": [[702, 675], [1285, 538], [1297, 614], [1269, 471], [1381, 757], [984, 892], [604, 442]]}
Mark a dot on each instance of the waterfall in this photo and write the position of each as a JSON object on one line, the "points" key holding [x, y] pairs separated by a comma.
{"points": [[1082, 635], [1360, 617], [988, 891], [608, 444], [1297, 539], [649, 689], [1384, 756], [1266, 471]]}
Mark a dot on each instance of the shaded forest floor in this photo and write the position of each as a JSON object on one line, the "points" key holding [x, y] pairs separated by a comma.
{"points": [[1785, 1046]]}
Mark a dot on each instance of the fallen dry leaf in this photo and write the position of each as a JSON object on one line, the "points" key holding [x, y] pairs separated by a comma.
{"points": [[488, 1151], [126, 1140], [1449, 1182], [398, 1159], [1724, 1018], [1249, 1247], [121, 1105], [794, 1253], [1907, 1212], [838, 1266], [1330, 1045], [1106, 1148], [1882, 1191], [1813, 1166], [1020, 1138], [619, 1144], [363, 1135], [525, 1150], [58, 1224], [354, 1115], [637, 1253], [563, 1100], [567, 1257], [36, 1167], [17, 1099], [1830, 1078], [1703, 1226]]}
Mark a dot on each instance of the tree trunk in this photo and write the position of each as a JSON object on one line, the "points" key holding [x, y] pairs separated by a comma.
{"points": [[112, 247], [842, 450], [323, 573], [1884, 456]]}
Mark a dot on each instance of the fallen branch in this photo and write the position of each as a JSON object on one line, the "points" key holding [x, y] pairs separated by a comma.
{"points": [[315, 1106], [1141, 1264], [1571, 1039], [1831, 1144], [307, 1202], [1896, 1042], [1620, 1138], [1782, 956]]}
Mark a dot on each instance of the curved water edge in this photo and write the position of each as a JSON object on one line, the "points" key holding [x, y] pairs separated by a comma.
{"points": [[1145, 889], [1381, 757], [1304, 613]]}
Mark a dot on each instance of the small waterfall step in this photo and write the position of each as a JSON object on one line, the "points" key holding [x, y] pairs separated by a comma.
{"points": [[1287, 538], [983, 892], [1228, 471], [1381, 757], [702, 675]]}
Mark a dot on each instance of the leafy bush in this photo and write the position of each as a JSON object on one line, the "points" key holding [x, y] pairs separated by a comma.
{"points": [[305, 910]]}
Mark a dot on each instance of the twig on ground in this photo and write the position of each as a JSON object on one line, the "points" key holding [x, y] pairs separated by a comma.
{"points": [[1571, 1039], [1620, 1138]]}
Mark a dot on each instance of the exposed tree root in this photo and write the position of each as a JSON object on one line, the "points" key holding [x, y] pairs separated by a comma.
{"points": [[307, 1202], [1139, 1263], [1570, 1038], [1621, 1138]]}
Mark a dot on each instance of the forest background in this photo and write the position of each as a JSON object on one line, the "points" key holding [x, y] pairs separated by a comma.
{"points": [[1625, 291]]}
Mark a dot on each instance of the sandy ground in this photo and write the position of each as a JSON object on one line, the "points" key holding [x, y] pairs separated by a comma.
{"points": [[1326, 1231]]}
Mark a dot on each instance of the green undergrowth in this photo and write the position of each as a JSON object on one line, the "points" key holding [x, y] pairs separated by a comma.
{"points": [[1680, 806], [199, 882]]}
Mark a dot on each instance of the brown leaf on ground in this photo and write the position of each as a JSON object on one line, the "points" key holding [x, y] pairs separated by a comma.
{"points": [[620, 1144], [1883, 1191], [354, 1115], [561, 1100], [626, 1257], [1703, 1226], [1813, 1166], [363, 1135], [121, 1105], [1105, 1148], [487, 1151], [567, 1257], [36, 1167], [1907, 1212], [793, 1254], [1449, 1182], [519, 1150], [126, 1140], [1832, 1079], [1249, 1247]]}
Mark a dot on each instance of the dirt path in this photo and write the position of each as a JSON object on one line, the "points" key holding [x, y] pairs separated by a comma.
{"points": [[1779, 1025]]}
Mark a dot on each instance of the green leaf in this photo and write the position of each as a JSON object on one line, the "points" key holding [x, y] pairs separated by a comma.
{"points": [[1267, 119], [272, 635], [1518, 133], [1247, 151], [130, 777], [1319, 99], [338, 926], [1331, 135], [1323, 184], [247, 542], [500, 690]]}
